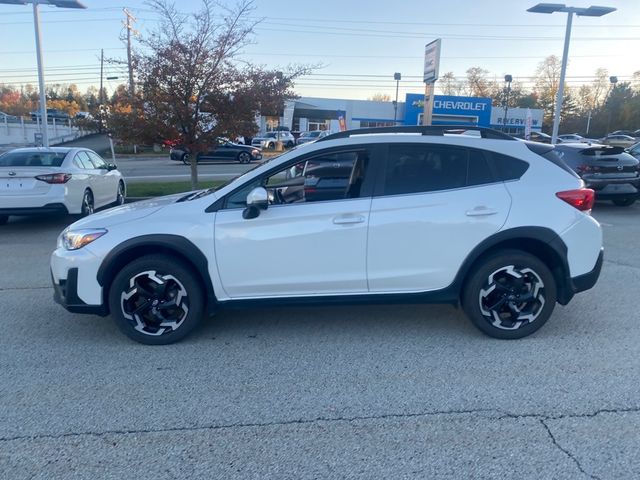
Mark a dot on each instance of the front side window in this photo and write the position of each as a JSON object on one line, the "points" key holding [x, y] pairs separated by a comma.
{"points": [[326, 177], [97, 160]]}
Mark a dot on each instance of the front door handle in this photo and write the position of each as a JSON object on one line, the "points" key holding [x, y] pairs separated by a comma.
{"points": [[348, 219], [481, 211]]}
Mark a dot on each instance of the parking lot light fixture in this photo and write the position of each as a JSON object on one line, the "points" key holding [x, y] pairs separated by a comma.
{"points": [[36, 24], [548, 8]]}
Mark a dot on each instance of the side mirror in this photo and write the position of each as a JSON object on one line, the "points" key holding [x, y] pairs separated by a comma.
{"points": [[258, 199], [111, 166]]}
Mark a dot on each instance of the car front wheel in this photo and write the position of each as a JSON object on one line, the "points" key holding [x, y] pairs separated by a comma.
{"points": [[156, 300], [186, 158], [509, 295], [244, 157], [120, 194]]}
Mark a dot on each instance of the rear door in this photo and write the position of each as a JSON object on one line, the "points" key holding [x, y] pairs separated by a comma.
{"points": [[432, 205]]}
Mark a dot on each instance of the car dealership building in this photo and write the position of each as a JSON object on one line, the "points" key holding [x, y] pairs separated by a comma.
{"points": [[312, 113]]}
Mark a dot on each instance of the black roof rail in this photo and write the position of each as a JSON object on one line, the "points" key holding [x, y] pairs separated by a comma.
{"points": [[435, 130]]}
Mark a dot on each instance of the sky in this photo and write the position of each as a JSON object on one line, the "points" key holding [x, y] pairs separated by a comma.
{"points": [[356, 45]]}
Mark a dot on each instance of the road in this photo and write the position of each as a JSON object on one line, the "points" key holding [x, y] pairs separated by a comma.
{"points": [[162, 169], [327, 392]]}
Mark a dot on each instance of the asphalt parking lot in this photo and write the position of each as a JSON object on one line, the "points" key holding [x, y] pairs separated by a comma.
{"points": [[328, 392]]}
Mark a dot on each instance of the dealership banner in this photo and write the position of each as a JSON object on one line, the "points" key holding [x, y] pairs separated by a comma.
{"points": [[449, 110]]}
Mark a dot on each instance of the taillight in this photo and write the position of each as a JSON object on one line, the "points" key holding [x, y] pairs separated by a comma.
{"points": [[54, 178], [582, 198]]}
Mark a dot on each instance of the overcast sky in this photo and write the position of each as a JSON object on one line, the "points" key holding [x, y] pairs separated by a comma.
{"points": [[360, 44]]}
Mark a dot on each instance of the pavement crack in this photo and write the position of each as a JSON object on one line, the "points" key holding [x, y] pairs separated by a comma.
{"points": [[301, 421], [565, 451]]}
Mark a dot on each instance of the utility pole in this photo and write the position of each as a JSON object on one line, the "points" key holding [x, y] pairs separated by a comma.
{"points": [[100, 97], [129, 28]]}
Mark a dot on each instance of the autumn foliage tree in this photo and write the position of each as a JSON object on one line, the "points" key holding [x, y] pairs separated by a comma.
{"points": [[192, 87]]}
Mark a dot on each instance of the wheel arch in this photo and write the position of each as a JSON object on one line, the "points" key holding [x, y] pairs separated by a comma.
{"points": [[171, 245], [541, 242]]}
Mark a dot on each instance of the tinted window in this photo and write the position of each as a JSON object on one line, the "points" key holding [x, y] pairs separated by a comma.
{"points": [[428, 168], [32, 159], [507, 168]]}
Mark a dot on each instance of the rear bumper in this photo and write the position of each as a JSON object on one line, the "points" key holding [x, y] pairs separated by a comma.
{"points": [[65, 293], [51, 208], [588, 280]]}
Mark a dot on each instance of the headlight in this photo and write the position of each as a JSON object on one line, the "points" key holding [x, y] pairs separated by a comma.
{"points": [[75, 239], [255, 152]]}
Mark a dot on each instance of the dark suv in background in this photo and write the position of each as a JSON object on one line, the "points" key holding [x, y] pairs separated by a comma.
{"points": [[611, 172]]}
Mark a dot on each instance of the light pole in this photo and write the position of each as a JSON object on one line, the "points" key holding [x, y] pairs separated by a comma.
{"points": [[613, 80], [507, 79], [592, 11], [36, 24], [397, 77]]}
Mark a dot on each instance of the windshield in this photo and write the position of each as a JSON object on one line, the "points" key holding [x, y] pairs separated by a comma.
{"points": [[32, 159]]}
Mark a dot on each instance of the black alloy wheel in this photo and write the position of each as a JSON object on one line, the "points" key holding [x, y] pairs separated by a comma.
{"points": [[186, 158], [510, 295], [156, 300], [87, 204], [244, 157]]}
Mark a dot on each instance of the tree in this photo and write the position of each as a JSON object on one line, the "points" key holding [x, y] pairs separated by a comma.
{"points": [[380, 97], [477, 83], [449, 84], [191, 85]]}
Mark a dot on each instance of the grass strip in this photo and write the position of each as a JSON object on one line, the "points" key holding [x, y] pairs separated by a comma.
{"points": [[157, 189]]}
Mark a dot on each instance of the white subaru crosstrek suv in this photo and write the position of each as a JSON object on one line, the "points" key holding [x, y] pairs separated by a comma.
{"points": [[57, 180], [392, 214]]}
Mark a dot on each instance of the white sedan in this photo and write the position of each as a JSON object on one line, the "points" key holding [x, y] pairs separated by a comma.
{"points": [[57, 180]]}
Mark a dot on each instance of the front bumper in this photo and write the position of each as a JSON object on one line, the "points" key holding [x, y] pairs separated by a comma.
{"points": [[65, 293]]}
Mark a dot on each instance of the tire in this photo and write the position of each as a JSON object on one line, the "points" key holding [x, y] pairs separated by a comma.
{"points": [[4, 219], [624, 202], [492, 290], [244, 157], [120, 195], [186, 158], [88, 206], [270, 146], [290, 144], [148, 284]]}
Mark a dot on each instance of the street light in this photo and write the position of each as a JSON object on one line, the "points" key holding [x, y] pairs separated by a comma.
{"points": [[397, 77], [507, 79], [613, 80], [592, 11], [36, 24]]}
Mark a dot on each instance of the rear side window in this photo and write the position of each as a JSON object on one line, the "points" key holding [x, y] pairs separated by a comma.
{"points": [[505, 167], [32, 159], [418, 168]]}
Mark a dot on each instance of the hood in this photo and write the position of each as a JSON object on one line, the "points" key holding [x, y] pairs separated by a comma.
{"points": [[127, 213]]}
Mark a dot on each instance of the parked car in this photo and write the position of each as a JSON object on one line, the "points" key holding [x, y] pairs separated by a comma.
{"points": [[52, 113], [636, 134], [629, 133], [57, 180], [575, 138], [306, 137], [540, 137], [611, 172], [623, 141], [415, 214], [222, 151], [268, 140], [634, 150]]}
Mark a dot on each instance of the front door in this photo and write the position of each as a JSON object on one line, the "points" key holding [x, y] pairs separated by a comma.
{"points": [[311, 240]]}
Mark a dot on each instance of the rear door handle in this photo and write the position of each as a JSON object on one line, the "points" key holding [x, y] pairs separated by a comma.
{"points": [[481, 212], [348, 219]]}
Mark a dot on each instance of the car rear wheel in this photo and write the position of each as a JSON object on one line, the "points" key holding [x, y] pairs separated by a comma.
{"points": [[510, 295], [290, 144], [87, 204], [244, 157], [4, 219], [186, 158], [156, 300], [624, 202]]}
